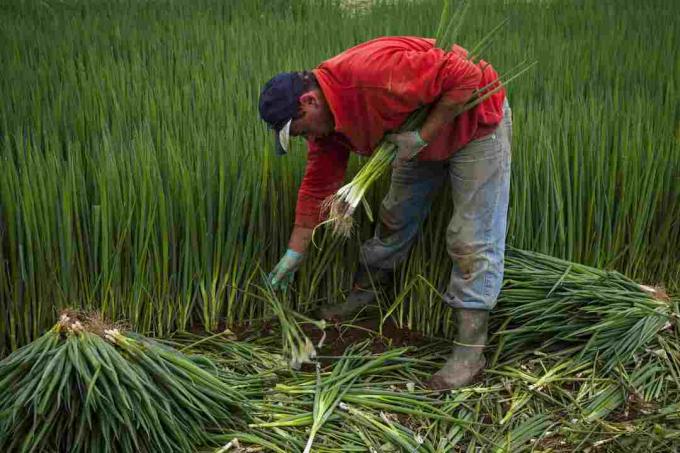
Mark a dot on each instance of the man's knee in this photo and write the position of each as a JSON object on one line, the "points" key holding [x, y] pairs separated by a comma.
{"points": [[466, 257], [391, 222]]}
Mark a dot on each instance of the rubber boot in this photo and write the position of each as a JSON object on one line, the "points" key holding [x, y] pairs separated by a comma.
{"points": [[367, 282], [467, 358]]}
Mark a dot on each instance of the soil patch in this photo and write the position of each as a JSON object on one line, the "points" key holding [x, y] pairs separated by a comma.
{"points": [[339, 336]]}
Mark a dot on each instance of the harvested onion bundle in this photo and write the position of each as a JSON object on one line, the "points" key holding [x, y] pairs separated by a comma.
{"points": [[89, 386]]}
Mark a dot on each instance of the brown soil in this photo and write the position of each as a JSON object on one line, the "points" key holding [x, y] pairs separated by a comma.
{"points": [[339, 336]]}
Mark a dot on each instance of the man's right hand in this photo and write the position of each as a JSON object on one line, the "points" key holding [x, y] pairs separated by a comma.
{"points": [[284, 271]]}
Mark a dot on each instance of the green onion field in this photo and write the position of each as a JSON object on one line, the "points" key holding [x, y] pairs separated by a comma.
{"points": [[138, 181]]}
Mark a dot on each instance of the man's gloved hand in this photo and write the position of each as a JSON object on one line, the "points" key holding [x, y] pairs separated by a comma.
{"points": [[283, 273], [408, 144]]}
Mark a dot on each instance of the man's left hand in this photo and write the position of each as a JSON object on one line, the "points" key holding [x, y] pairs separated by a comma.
{"points": [[409, 144]]}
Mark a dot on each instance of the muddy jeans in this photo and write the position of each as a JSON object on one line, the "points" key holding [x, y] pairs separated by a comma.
{"points": [[475, 237]]}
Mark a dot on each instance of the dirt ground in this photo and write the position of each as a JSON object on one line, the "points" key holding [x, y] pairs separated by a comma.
{"points": [[340, 336]]}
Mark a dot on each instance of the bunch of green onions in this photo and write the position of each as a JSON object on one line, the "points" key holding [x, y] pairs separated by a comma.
{"points": [[297, 347], [552, 304], [88, 386], [252, 356]]}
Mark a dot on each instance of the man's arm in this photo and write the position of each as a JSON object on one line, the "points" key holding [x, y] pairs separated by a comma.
{"points": [[300, 239], [412, 142], [444, 111], [326, 165]]}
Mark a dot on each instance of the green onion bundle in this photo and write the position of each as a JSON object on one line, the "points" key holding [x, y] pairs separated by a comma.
{"points": [[342, 204], [297, 347], [552, 304], [86, 386]]}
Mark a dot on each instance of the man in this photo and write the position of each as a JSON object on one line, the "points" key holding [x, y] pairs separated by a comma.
{"points": [[349, 103]]}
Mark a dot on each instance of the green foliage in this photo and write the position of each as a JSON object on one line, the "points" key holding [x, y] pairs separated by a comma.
{"points": [[550, 384], [136, 177], [83, 385], [87, 387]]}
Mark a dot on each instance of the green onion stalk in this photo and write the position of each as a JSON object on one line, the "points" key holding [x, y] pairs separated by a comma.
{"points": [[326, 398], [297, 346]]}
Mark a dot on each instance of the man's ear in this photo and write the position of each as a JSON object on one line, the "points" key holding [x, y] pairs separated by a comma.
{"points": [[308, 98]]}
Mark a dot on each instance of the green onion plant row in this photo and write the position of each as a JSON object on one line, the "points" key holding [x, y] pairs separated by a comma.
{"points": [[137, 179]]}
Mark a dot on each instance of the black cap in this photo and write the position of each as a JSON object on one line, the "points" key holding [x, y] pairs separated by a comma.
{"points": [[279, 102]]}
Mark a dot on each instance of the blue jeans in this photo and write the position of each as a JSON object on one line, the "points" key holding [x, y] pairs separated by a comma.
{"points": [[475, 237]]}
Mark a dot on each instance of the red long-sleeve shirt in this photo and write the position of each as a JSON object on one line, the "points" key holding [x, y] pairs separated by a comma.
{"points": [[372, 88]]}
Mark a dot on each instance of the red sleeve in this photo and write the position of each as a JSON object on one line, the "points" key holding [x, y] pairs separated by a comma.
{"points": [[418, 77], [325, 171]]}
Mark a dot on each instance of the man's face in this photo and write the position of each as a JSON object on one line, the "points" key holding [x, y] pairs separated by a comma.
{"points": [[316, 119]]}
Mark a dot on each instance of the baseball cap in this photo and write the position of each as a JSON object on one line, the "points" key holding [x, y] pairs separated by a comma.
{"points": [[279, 101]]}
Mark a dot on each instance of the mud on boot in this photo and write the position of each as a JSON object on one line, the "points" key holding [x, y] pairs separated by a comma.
{"points": [[467, 359]]}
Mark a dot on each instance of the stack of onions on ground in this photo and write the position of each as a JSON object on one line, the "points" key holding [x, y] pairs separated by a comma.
{"points": [[88, 385]]}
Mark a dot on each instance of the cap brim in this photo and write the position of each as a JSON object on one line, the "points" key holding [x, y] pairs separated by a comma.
{"points": [[283, 139]]}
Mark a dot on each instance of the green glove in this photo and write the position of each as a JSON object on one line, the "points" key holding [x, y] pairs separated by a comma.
{"points": [[409, 144], [283, 273]]}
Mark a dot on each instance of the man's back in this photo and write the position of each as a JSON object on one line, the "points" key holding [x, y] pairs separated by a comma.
{"points": [[373, 87]]}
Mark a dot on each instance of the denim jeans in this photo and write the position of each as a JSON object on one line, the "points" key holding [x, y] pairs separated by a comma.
{"points": [[479, 175]]}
